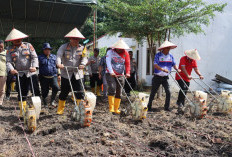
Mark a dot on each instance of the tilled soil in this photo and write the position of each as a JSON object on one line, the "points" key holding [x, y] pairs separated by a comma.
{"points": [[161, 134]]}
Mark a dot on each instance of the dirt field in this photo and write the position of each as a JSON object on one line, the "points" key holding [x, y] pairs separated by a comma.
{"points": [[161, 134]]}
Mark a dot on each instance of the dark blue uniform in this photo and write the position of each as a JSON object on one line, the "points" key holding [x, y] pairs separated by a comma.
{"points": [[47, 65], [48, 76]]}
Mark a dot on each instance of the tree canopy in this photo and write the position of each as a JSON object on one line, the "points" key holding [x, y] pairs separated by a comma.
{"points": [[157, 20]]}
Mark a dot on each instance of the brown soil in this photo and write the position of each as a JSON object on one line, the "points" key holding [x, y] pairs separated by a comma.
{"points": [[161, 134]]}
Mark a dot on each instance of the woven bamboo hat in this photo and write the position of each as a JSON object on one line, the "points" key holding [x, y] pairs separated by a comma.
{"points": [[167, 44], [192, 54], [120, 45], [75, 33], [15, 35]]}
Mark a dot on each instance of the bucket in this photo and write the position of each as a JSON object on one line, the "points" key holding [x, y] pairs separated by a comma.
{"points": [[225, 93], [139, 109], [91, 98], [143, 96], [31, 119], [201, 95], [36, 101], [143, 106], [85, 114], [226, 104], [199, 108]]}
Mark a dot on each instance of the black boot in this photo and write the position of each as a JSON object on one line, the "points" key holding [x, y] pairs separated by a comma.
{"points": [[7, 97], [180, 109], [45, 102], [52, 101]]}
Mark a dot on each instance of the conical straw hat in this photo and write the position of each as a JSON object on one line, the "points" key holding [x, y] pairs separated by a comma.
{"points": [[15, 35], [167, 44], [75, 33], [192, 54], [120, 45]]}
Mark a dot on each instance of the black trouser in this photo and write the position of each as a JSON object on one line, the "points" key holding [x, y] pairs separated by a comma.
{"points": [[93, 79], [25, 83], [8, 84], [156, 82], [65, 88], [46, 83], [132, 82], [181, 96]]}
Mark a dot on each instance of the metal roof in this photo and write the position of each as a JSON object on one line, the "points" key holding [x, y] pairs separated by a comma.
{"points": [[43, 18]]}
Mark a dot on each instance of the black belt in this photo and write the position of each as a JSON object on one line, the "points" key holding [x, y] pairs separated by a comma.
{"points": [[160, 76]]}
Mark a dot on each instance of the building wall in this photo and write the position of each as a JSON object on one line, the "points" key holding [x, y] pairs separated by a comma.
{"points": [[213, 46], [109, 40]]}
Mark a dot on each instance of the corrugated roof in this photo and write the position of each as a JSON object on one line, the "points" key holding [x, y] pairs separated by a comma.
{"points": [[43, 18]]}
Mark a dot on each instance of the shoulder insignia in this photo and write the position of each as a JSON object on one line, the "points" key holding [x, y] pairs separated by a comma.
{"points": [[23, 46], [32, 48]]}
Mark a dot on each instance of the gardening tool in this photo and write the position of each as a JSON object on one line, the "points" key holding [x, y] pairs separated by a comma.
{"points": [[32, 110], [21, 100], [195, 78], [198, 106], [226, 105], [139, 106], [36, 101], [82, 111], [184, 82], [200, 99], [31, 118], [208, 91], [223, 102]]}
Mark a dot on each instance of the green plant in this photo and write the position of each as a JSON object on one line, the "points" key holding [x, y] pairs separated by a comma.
{"points": [[157, 20], [102, 52]]}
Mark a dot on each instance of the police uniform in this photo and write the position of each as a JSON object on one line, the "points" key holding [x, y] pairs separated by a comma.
{"points": [[24, 57], [72, 57], [94, 72], [48, 77]]}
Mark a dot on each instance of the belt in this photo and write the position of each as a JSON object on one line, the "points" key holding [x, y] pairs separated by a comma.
{"points": [[160, 76], [48, 76]]}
